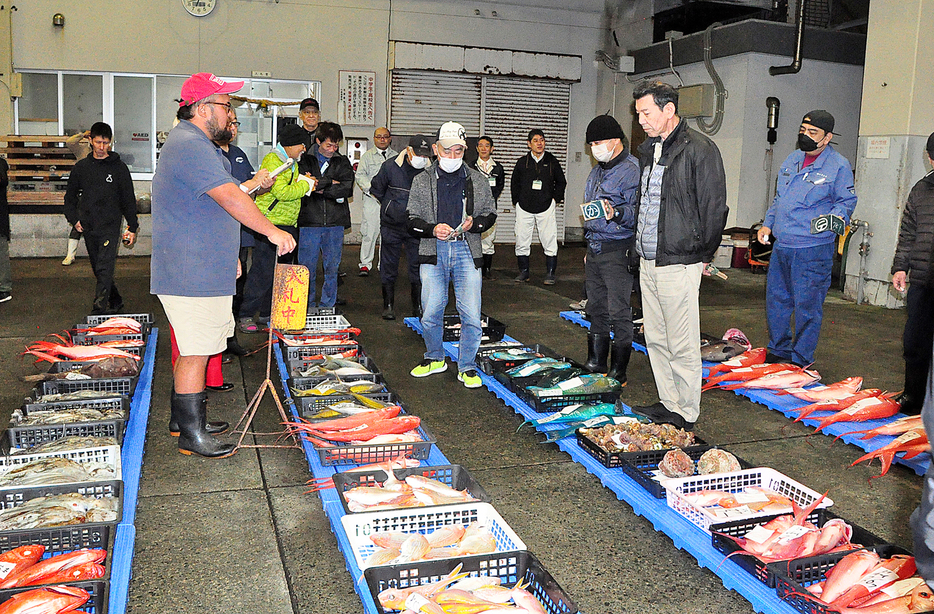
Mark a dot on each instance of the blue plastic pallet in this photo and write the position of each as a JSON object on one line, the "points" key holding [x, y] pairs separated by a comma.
{"points": [[788, 405]]}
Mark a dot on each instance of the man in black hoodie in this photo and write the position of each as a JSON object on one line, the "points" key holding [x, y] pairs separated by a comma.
{"points": [[100, 193]]}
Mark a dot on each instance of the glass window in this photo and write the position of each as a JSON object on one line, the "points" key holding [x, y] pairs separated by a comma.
{"points": [[133, 133], [38, 107], [83, 97]]}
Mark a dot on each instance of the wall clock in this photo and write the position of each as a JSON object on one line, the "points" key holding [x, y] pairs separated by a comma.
{"points": [[199, 8]]}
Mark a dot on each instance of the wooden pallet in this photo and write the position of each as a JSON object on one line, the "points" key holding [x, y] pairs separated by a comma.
{"points": [[39, 169]]}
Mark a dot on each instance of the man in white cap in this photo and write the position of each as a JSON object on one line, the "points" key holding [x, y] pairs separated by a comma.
{"points": [[450, 206], [197, 210]]}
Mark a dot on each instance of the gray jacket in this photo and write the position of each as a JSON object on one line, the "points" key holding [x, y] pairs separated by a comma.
{"points": [[423, 212]]}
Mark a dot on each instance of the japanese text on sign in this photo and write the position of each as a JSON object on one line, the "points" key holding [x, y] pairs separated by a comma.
{"points": [[357, 98], [289, 297]]}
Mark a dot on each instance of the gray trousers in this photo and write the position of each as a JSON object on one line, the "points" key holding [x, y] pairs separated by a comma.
{"points": [[922, 520], [6, 276]]}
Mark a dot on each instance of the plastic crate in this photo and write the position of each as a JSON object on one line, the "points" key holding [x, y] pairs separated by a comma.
{"points": [[306, 351], [519, 385], [86, 339], [109, 455], [28, 436], [61, 540], [643, 466], [311, 405], [64, 366], [299, 382], [491, 328], [549, 405], [455, 476], [142, 318], [14, 497], [763, 571], [733, 482], [364, 454], [117, 385], [791, 577], [308, 337], [491, 366], [359, 527], [315, 320], [96, 604], [121, 402], [509, 567], [611, 460]]}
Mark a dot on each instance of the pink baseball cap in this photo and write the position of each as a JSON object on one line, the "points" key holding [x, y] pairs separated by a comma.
{"points": [[203, 84]]}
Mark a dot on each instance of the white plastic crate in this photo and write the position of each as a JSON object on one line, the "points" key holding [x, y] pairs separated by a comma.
{"points": [[735, 482], [334, 321], [109, 455], [425, 520]]}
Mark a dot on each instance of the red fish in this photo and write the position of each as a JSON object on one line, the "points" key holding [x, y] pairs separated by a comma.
{"points": [[912, 443], [873, 408], [743, 374], [49, 600], [837, 390], [898, 567], [838, 405], [746, 359], [397, 425], [348, 422], [37, 573], [895, 428], [20, 558], [78, 573], [778, 380]]}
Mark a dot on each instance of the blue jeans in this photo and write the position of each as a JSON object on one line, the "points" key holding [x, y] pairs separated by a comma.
{"points": [[329, 240], [798, 281], [455, 264]]}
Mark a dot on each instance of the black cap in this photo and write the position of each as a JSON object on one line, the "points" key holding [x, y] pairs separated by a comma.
{"points": [[819, 119], [604, 127], [291, 134], [420, 145], [930, 145], [309, 102]]}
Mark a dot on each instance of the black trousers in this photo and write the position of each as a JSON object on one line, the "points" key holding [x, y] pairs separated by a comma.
{"points": [[257, 290], [918, 338], [609, 288], [393, 240], [102, 245]]}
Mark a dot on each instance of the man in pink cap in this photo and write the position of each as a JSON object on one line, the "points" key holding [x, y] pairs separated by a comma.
{"points": [[197, 210]]}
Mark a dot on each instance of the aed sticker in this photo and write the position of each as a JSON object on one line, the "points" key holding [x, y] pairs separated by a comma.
{"points": [[537, 184], [793, 533], [759, 535], [5, 568]]}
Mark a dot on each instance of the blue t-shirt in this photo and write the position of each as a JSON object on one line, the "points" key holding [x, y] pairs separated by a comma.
{"points": [[240, 166], [194, 240]]}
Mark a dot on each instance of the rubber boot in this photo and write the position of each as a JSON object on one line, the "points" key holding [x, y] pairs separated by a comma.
{"points": [[416, 300], [551, 263], [488, 266], [389, 297], [71, 253], [214, 428], [598, 348], [523, 268], [619, 361], [191, 411], [912, 398]]}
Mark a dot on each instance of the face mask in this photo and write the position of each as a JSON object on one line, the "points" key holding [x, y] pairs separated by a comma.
{"points": [[806, 143], [602, 152], [450, 165], [418, 162]]}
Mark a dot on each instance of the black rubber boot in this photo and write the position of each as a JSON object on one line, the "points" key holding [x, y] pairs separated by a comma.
{"points": [[234, 347], [551, 263], [523, 268], [619, 361], [191, 410], [214, 428], [488, 266], [598, 348], [389, 299], [416, 300], [912, 398]]}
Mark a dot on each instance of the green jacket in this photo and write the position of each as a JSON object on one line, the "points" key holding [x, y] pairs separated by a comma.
{"points": [[281, 203]]}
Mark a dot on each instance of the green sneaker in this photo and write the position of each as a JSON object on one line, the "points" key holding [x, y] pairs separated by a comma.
{"points": [[429, 367], [470, 379]]}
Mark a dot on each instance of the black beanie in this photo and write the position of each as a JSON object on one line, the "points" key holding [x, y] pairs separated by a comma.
{"points": [[291, 134], [930, 145], [604, 127]]}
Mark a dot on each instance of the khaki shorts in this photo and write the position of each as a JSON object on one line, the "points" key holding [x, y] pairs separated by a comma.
{"points": [[202, 323]]}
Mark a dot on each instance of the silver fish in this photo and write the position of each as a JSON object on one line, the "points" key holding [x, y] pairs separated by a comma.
{"points": [[72, 442], [55, 470], [718, 351], [58, 510]]}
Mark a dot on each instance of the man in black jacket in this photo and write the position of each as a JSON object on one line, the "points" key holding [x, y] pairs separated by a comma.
{"points": [[325, 213], [680, 219], [391, 187], [99, 193], [496, 176], [913, 254], [537, 184]]}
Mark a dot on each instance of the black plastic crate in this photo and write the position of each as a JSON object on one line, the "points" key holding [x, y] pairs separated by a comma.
{"points": [[306, 351], [519, 385], [29, 436], [300, 382], [491, 329], [612, 460], [117, 402], [791, 577], [765, 572], [641, 466], [97, 589], [60, 540], [365, 453], [549, 405], [311, 335], [510, 567], [14, 497], [455, 476], [63, 366], [117, 385], [310, 405], [142, 318], [490, 366]]}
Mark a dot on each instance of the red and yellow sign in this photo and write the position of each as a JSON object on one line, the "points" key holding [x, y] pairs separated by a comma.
{"points": [[289, 297]]}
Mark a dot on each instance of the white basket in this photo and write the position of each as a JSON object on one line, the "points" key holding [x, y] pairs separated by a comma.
{"points": [[424, 520], [315, 322], [109, 455], [734, 482]]}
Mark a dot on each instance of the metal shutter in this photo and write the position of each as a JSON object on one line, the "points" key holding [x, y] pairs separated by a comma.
{"points": [[423, 100], [511, 108]]}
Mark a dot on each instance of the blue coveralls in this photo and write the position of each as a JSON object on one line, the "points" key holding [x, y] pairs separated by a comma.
{"points": [[801, 263]]}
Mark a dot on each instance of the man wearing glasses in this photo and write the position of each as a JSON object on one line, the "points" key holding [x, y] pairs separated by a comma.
{"points": [[309, 114], [370, 163]]}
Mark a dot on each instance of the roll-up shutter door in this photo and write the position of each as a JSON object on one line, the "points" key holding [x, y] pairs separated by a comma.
{"points": [[511, 108], [423, 100]]}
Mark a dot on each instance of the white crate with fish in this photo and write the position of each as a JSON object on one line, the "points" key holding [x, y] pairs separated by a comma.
{"points": [[36, 507], [60, 467], [412, 535], [737, 495], [31, 427]]}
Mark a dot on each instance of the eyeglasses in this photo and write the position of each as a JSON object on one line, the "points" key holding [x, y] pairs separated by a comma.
{"points": [[383, 138], [234, 123], [226, 105]]}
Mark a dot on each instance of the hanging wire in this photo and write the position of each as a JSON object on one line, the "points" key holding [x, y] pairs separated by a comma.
{"points": [[671, 62], [720, 92]]}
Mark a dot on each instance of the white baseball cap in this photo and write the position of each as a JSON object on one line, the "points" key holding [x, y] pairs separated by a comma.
{"points": [[451, 134]]}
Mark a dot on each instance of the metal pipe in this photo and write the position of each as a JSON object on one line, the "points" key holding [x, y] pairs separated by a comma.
{"points": [[795, 66]]}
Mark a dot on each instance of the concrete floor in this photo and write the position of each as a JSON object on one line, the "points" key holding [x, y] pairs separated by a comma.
{"points": [[239, 535]]}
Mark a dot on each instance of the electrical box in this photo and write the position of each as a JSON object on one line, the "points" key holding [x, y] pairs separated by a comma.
{"points": [[696, 100], [355, 149], [627, 64]]}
